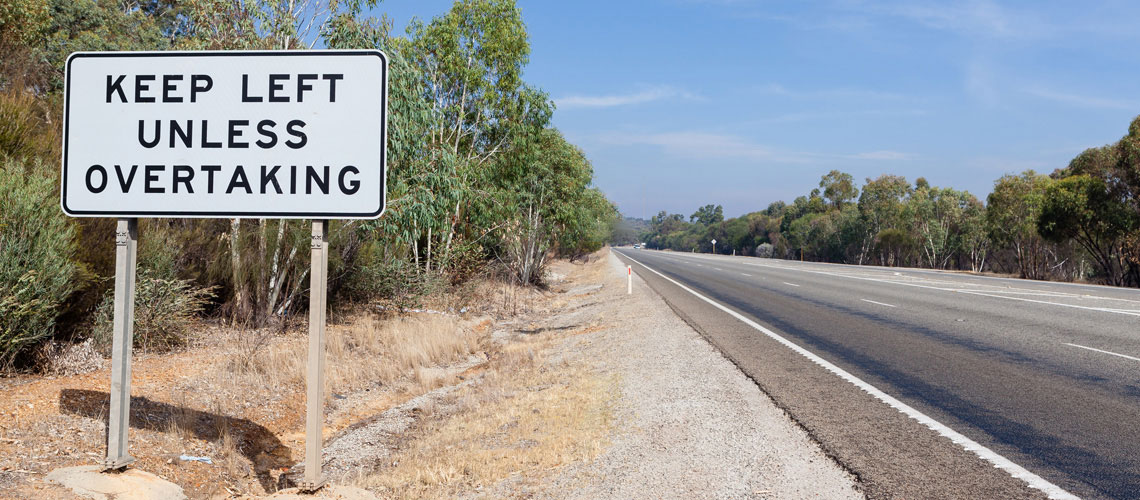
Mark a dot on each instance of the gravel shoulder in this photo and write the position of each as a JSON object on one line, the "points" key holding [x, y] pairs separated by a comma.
{"points": [[690, 424]]}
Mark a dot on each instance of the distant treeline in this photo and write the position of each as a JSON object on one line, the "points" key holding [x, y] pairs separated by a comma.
{"points": [[1081, 222], [476, 173]]}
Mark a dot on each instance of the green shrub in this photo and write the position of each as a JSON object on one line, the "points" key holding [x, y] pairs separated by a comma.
{"points": [[37, 270], [394, 284], [164, 309], [23, 129]]}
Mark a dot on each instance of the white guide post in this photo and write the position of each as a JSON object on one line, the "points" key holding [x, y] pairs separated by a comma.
{"points": [[315, 379], [629, 284], [126, 256]]}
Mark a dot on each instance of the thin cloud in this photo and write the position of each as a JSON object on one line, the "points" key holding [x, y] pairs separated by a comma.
{"points": [[695, 144], [836, 93], [808, 116], [1084, 101], [609, 101], [972, 18], [882, 155], [980, 82], [705, 145]]}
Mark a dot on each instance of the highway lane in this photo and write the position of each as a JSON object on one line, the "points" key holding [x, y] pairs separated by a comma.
{"points": [[1045, 374]]}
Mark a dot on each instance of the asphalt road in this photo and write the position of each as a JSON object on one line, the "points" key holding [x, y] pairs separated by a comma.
{"points": [[1043, 375]]}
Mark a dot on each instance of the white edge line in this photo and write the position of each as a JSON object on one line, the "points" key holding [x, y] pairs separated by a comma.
{"points": [[1125, 356], [1017, 471], [879, 303]]}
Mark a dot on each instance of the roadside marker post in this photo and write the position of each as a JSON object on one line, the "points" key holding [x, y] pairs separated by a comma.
{"points": [[629, 285], [130, 150]]}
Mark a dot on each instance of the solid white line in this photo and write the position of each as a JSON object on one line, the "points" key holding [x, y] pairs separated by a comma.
{"points": [[1125, 356], [880, 303], [1017, 471], [790, 284]]}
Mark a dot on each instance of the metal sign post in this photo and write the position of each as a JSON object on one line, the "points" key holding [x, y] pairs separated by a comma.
{"points": [[126, 253], [314, 406]]}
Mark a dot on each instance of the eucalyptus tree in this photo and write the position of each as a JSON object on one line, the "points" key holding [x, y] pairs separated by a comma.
{"points": [[838, 188], [267, 268], [708, 215], [937, 216], [881, 206], [543, 196], [471, 61], [1091, 203], [1012, 211], [974, 240]]}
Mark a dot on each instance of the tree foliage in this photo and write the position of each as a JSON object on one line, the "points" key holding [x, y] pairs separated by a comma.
{"points": [[476, 174], [1082, 222]]}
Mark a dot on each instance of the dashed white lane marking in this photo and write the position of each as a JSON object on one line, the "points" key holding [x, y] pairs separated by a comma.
{"points": [[718, 269], [1017, 471], [746, 274], [879, 303], [790, 284], [1125, 356]]}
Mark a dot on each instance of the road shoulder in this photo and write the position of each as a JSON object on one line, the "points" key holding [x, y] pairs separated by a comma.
{"points": [[893, 455], [691, 425]]}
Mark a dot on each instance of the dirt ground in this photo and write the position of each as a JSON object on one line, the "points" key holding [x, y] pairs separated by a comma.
{"points": [[573, 391]]}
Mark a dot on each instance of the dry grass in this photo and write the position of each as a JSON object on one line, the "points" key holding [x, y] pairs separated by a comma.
{"points": [[61, 359], [525, 418], [365, 353], [504, 299], [238, 397]]}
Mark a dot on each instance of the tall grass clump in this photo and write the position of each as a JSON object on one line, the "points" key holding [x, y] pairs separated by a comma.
{"points": [[37, 270], [164, 310]]}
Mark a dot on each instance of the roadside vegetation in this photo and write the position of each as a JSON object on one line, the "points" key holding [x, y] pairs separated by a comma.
{"points": [[1080, 223], [479, 182]]}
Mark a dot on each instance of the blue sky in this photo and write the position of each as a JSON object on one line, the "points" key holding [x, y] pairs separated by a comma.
{"points": [[680, 103]]}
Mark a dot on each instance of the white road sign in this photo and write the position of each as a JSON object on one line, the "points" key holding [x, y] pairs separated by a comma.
{"points": [[289, 134]]}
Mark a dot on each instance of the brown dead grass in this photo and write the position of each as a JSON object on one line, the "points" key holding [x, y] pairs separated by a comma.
{"points": [[365, 353], [238, 397], [525, 418]]}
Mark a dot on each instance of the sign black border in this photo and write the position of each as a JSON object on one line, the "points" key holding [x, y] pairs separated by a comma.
{"points": [[251, 214]]}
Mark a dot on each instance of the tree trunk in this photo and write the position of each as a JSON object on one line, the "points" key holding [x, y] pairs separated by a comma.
{"points": [[276, 274], [235, 267], [262, 282], [416, 244]]}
